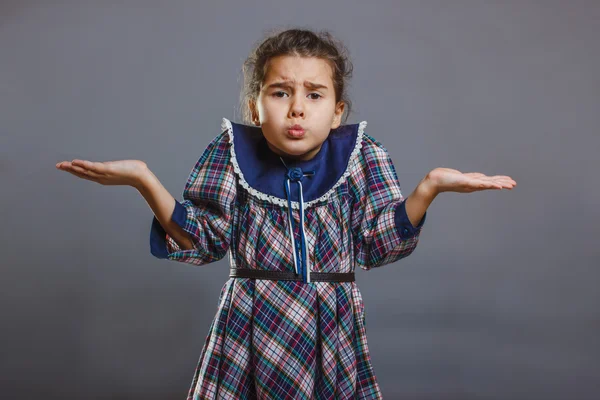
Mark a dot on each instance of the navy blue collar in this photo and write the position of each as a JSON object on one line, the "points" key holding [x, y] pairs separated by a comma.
{"points": [[263, 170]]}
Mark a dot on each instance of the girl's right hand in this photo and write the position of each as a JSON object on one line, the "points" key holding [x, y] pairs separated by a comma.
{"points": [[123, 172]]}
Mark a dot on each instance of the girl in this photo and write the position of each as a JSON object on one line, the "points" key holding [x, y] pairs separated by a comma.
{"points": [[298, 200]]}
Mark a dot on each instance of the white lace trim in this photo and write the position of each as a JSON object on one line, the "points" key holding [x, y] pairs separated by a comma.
{"points": [[226, 125]]}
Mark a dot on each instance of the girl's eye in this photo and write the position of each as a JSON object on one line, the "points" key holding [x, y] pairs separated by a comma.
{"points": [[277, 94], [315, 94]]}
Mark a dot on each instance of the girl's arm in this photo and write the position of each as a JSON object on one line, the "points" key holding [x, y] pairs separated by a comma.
{"points": [[205, 214], [382, 230], [199, 229], [162, 204], [382, 218], [419, 200], [134, 173]]}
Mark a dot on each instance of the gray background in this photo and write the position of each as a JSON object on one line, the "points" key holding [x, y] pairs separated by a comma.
{"points": [[499, 301]]}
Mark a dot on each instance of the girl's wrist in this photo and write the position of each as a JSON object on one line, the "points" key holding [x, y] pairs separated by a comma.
{"points": [[427, 188], [143, 179]]}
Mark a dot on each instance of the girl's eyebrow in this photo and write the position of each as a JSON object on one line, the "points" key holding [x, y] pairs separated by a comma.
{"points": [[289, 84]]}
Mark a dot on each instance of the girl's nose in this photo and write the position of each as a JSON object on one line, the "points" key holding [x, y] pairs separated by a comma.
{"points": [[297, 113], [297, 109]]}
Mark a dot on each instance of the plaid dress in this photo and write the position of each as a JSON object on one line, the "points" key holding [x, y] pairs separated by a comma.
{"points": [[289, 339]]}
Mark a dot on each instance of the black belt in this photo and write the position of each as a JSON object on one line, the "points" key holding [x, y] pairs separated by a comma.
{"points": [[290, 275]]}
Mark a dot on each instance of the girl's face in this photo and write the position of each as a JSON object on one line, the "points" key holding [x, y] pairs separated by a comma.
{"points": [[297, 91]]}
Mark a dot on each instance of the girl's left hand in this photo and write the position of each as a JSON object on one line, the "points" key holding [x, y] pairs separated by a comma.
{"points": [[451, 180]]}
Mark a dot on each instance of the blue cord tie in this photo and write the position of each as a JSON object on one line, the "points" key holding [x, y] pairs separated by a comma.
{"points": [[296, 175]]}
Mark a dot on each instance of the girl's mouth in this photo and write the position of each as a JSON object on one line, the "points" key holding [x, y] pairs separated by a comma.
{"points": [[296, 131]]}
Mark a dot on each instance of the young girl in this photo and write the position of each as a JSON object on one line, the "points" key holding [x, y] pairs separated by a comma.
{"points": [[298, 200]]}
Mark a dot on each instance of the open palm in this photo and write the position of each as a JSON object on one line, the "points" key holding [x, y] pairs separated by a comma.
{"points": [[452, 180], [122, 172]]}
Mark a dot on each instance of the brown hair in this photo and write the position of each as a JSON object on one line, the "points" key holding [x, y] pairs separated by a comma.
{"points": [[296, 42]]}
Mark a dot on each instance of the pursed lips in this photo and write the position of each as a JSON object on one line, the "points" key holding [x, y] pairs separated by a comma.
{"points": [[296, 131]]}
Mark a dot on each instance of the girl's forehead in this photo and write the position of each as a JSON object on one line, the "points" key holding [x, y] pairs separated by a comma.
{"points": [[296, 68]]}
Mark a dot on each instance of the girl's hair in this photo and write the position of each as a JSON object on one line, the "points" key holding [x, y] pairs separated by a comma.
{"points": [[296, 42]]}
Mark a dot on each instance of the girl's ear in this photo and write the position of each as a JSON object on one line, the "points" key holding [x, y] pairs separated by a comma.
{"points": [[253, 112], [337, 114]]}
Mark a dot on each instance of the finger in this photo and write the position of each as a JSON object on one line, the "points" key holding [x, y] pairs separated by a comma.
{"points": [[504, 178], [85, 172], [494, 178], [484, 184], [479, 175], [506, 182], [496, 184], [79, 175], [63, 164], [96, 167]]}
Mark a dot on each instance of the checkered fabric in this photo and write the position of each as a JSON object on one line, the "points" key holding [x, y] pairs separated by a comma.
{"points": [[289, 339]]}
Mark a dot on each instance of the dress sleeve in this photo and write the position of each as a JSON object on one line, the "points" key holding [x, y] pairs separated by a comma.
{"points": [[381, 229], [206, 212]]}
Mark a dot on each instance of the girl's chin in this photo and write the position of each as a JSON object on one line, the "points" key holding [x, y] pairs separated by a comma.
{"points": [[295, 149]]}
